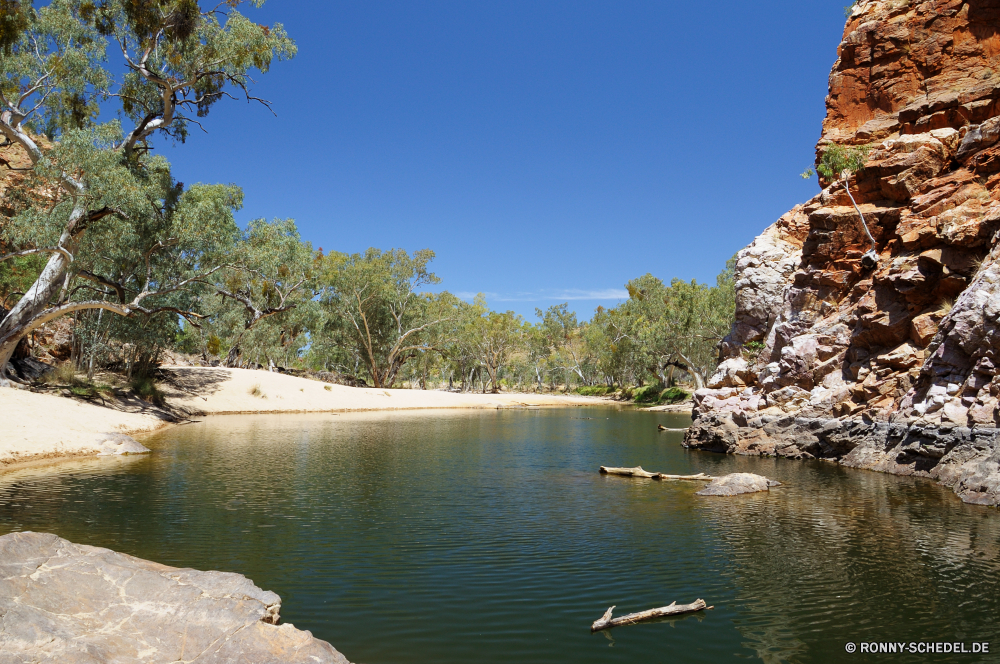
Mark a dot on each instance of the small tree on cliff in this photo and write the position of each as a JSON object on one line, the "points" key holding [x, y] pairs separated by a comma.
{"points": [[95, 185], [840, 162]]}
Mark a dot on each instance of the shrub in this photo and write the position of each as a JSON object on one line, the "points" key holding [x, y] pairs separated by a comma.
{"points": [[837, 159], [63, 374], [595, 390], [255, 391], [144, 388], [673, 395], [751, 350], [647, 394]]}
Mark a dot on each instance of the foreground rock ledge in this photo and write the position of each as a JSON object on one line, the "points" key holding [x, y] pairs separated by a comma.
{"points": [[74, 604]]}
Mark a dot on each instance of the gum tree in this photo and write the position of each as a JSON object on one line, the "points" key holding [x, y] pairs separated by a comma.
{"points": [[97, 204], [273, 275], [375, 309]]}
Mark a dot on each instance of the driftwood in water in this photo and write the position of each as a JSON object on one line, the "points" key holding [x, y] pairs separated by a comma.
{"points": [[639, 472], [607, 621], [660, 427]]}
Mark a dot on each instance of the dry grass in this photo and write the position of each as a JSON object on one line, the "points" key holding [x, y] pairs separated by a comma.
{"points": [[63, 374], [255, 391]]}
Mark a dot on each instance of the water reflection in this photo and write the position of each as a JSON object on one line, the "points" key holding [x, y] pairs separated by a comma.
{"points": [[489, 536]]}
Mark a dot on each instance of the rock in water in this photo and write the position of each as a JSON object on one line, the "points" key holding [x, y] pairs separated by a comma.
{"points": [[119, 443], [74, 604], [737, 483]]}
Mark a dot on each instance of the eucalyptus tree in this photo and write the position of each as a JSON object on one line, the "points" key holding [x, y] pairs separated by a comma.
{"points": [[273, 271], [678, 326], [92, 183], [374, 306], [493, 338]]}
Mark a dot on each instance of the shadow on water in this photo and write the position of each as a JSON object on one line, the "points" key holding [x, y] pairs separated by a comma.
{"points": [[489, 536]]}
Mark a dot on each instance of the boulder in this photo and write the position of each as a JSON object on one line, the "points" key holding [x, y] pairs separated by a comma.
{"points": [[119, 443], [736, 484], [67, 603]]}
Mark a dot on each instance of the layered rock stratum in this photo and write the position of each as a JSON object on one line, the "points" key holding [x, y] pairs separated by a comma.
{"points": [[67, 603], [892, 368]]}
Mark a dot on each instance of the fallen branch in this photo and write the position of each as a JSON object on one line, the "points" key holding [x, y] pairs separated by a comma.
{"points": [[639, 472], [660, 427], [606, 621]]}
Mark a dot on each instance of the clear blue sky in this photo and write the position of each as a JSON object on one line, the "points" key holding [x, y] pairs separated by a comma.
{"points": [[548, 151]]}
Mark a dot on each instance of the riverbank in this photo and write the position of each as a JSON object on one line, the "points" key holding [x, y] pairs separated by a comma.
{"points": [[40, 427]]}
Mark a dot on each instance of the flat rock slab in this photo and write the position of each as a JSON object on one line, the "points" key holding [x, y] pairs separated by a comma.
{"points": [[74, 604], [737, 483]]}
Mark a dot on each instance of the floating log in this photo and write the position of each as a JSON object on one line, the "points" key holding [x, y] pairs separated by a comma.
{"points": [[606, 621], [639, 472], [663, 428]]}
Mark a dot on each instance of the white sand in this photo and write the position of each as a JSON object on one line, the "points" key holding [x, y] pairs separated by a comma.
{"points": [[211, 391], [38, 426]]}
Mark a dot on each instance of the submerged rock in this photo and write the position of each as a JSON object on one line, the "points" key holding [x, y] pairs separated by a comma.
{"points": [[74, 604], [736, 484]]}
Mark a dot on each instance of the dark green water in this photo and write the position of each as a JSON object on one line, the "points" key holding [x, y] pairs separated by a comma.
{"points": [[488, 536]]}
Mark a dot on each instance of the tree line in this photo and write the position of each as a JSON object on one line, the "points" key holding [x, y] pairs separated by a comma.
{"points": [[95, 229]]}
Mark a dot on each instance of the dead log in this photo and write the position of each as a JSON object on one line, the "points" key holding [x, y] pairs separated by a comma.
{"points": [[628, 472], [660, 427], [639, 472], [606, 621]]}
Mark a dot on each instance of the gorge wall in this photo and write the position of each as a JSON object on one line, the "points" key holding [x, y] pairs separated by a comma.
{"points": [[892, 368]]}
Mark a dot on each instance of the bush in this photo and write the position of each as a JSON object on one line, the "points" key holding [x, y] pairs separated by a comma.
{"points": [[63, 374], [144, 388], [838, 158], [673, 395], [647, 394], [595, 390]]}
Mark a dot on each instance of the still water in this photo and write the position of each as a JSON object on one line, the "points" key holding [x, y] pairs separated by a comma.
{"points": [[489, 536]]}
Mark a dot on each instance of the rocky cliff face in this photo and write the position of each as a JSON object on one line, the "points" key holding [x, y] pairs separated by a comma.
{"points": [[892, 367]]}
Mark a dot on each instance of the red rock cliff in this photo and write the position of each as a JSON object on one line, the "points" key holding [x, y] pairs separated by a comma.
{"points": [[914, 341]]}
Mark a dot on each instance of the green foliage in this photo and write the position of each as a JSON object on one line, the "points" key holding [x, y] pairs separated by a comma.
{"points": [[647, 394], [752, 349], [188, 340], [213, 345], [265, 306], [595, 390], [375, 318], [145, 388], [838, 158], [116, 230], [673, 395]]}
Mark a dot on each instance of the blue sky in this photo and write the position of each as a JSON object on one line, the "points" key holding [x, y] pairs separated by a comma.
{"points": [[547, 151]]}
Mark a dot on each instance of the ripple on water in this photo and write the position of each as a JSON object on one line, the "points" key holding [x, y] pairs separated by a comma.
{"points": [[489, 536]]}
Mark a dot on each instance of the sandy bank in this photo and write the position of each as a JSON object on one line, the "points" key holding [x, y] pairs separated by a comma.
{"points": [[214, 391], [36, 426], [40, 426]]}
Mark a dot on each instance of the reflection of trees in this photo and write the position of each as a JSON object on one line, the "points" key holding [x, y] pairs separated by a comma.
{"points": [[838, 556]]}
